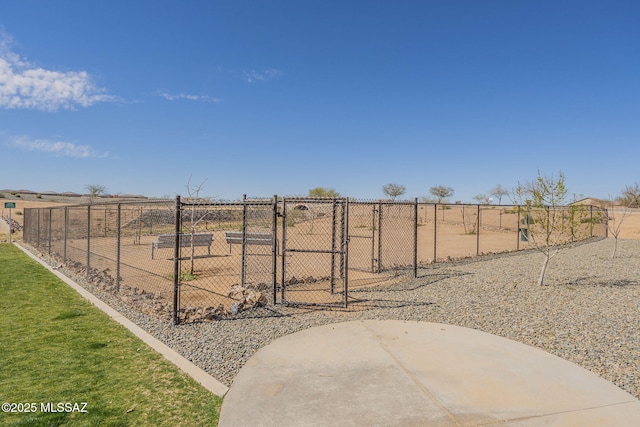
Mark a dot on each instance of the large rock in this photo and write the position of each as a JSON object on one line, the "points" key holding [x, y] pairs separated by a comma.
{"points": [[245, 298]]}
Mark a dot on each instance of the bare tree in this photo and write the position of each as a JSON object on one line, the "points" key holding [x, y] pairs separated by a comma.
{"points": [[470, 216], [194, 198], [441, 192], [614, 219], [543, 202], [95, 190], [631, 196], [498, 192], [393, 190]]}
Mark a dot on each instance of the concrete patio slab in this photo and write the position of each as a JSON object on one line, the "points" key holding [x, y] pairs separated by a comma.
{"points": [[385, 373]]}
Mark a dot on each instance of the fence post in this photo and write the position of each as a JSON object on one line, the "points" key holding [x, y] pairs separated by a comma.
{"points": [[344, 227], [415, 237], [244, 240], [333, 245], [284, 250], [345, 249], [373, 238], [65, 234], [118, 236], [88, 239], [590, 220], [518, 230], [435, 232], [478, 231], [379, 269], [38, 234], [176, 262], [49, 232], [274, 248]]}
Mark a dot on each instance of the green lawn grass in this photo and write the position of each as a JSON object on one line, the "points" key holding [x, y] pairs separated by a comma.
{"points": [[55, 347]]}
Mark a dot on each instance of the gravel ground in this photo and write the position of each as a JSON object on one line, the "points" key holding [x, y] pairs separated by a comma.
{"points": [[587, 312]]}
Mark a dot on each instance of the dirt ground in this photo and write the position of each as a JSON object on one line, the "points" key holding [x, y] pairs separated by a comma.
{"points": [[629, 224]]}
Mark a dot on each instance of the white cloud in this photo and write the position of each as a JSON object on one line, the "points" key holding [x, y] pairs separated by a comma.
{"points": [[170, 97], [25, 86], [60, 148], [260, 76]]}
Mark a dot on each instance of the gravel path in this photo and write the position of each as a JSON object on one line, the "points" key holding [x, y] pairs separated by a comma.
{"points": [[588, 312]]}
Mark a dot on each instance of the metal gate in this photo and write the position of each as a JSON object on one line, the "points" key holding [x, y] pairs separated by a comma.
{"points": [[364, 219], [314, 251]]}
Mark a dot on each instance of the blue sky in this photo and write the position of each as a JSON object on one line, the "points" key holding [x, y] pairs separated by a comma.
{"points": [[278, 97]]}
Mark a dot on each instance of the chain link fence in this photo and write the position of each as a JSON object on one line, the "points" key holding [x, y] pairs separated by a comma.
{"points": [[198, 260], [226, 257]]}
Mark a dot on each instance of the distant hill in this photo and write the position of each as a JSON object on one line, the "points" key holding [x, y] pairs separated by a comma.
{"points": [[67, 197]]}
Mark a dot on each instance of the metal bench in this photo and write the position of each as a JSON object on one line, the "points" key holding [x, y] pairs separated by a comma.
{"points": [[169, 241], [235, 237]]}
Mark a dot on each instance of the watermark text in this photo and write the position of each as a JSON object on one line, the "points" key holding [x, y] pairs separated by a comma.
{"points": [[46, 407]]}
